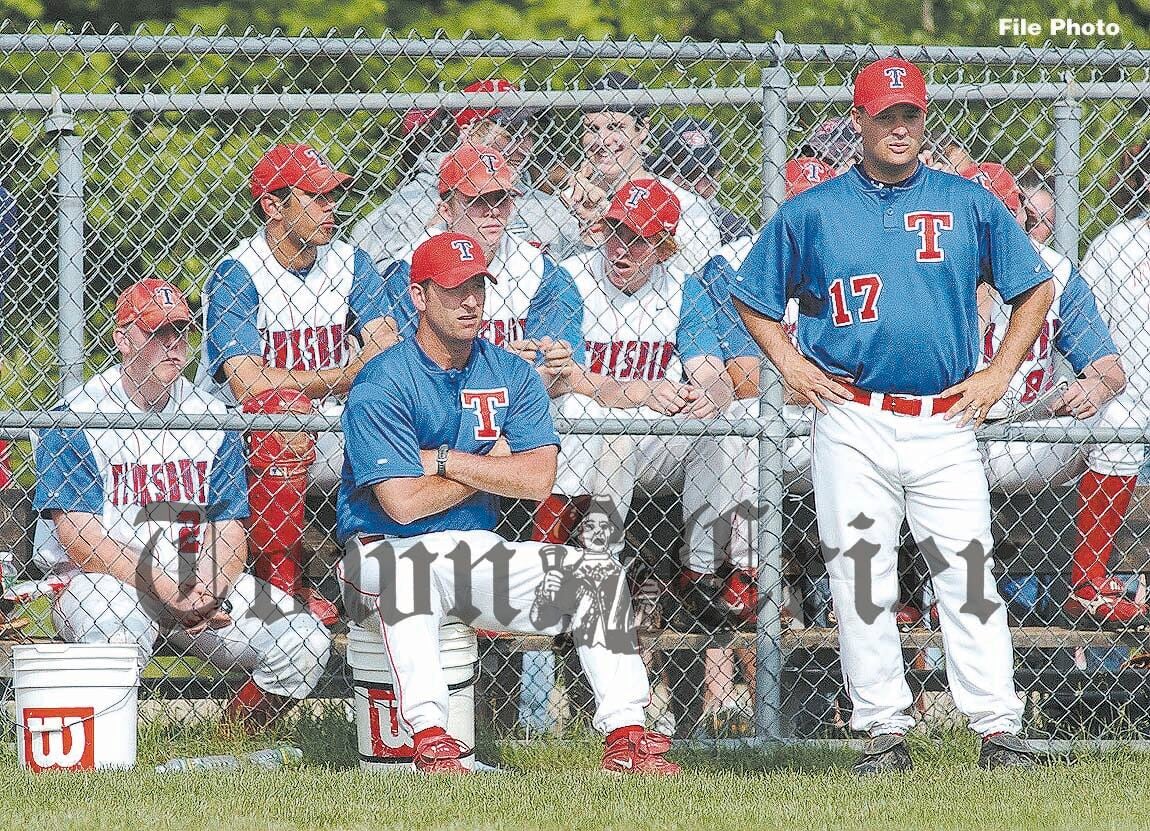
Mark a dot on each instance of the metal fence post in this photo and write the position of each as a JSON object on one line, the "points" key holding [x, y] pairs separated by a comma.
{"points": [[1067, 167], [70, 257], [768, 651]]}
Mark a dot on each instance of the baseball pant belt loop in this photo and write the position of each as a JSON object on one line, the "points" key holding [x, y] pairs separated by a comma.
{"points": [[906, 405]]}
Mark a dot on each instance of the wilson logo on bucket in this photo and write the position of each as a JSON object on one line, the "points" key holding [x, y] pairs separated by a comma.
{"points": [[59, 738], [383, 718]]}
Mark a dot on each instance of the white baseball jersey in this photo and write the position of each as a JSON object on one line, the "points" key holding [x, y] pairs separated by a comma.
{"points": [[1117, 269], [647, 335], [698, 234], [1073, 329], [530, 298], [151, 489], [292, 319]]}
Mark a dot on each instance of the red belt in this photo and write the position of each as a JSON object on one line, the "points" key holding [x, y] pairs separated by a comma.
{"points": [[368, 539], [907, 405]]}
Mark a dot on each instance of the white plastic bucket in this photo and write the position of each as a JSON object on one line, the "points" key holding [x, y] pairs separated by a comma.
{"points": [[76, 705], [384, 742]]}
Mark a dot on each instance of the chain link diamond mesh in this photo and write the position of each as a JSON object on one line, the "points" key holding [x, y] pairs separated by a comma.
{"points": [[162, 134]]}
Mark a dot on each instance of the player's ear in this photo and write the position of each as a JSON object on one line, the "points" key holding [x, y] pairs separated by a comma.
{"points": [[121, 341], [418, 296], [855, 111], [446, 208]]}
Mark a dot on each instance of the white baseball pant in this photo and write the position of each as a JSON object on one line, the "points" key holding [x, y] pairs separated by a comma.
{"points": [[411, 629], [271, 636], [1033, 466], [872, 468], [717, 477]]}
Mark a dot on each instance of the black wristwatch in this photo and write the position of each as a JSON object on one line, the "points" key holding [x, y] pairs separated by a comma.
{"points": [[441, 460]]}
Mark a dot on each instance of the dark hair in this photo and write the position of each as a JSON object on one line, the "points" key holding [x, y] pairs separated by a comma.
{"points": [[1130, 186], [616, 80]]}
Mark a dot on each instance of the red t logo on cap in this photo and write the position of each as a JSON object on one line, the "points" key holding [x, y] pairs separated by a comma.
{"points": [[489, 161], [165, 296], [636, 193], [463, 246], [895, 74]]}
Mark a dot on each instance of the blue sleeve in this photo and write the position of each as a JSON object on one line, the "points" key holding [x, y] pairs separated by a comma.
{"points": [[696, 336], [67, 478], [556, 310], [1083, 336], [1007, 257], [379, 435], [771, 270], [734, 339], [528, 424], [228, 483], [368, 301], [231, 318], [397, 298]]}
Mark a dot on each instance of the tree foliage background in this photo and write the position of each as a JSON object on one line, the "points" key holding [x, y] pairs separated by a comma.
{"points": [[165, 192]]}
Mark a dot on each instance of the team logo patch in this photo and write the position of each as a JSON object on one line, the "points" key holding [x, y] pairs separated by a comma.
{"points": [[164, 296], [484, 403], [311, 154], [489, 162], [635, 195], [59, 738], [894, 75], [465, 249], [929, 225]]}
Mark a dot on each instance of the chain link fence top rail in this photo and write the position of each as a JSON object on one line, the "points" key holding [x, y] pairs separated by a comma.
{"points": [[129, 156]]}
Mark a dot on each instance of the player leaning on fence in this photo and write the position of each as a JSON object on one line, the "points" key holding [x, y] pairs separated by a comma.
{"points": [[884, 261], [148, 524]]}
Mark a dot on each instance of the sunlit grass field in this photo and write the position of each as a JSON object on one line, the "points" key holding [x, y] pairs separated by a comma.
{"points": [[555, 784]]}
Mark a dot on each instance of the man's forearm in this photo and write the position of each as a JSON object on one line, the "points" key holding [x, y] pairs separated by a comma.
{"points": [[225, 551], [91, 549], [527, 475], [1026, 317]]}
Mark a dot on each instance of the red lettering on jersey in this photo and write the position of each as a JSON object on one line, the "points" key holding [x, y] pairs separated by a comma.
{"points": [[483, 403], [312, 347], [182, 480], [502, 331], [631, 359], [866, 286], [929, 225]]}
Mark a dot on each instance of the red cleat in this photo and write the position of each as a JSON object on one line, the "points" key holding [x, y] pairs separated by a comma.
{"points": [[906, 616], [740, 596], [255, 711], [1106, 606], [437, 752], [632, 750], [318, 605]]}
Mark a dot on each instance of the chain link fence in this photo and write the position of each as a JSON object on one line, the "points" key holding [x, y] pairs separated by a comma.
{"points": [[131, 156]]}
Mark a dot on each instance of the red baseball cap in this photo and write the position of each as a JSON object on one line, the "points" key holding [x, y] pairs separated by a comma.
{"points": [[449, 260], [804, 173], [888, 82], [152, 303], [474, 170], [508, 117], [295, 165], [998, 180], [645, 206], [415, 118]]}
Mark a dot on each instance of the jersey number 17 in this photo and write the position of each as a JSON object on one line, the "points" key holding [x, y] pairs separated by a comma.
{"points": [[866, 286]]}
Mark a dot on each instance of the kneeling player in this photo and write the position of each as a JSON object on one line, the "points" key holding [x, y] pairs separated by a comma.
{"points": [[148, 524]]}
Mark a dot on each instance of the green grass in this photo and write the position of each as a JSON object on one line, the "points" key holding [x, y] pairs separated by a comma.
{"points": [[554, 785]]}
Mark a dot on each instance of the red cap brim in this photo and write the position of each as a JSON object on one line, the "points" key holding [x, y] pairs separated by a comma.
{"points": [[324, 181], [885, 102]]}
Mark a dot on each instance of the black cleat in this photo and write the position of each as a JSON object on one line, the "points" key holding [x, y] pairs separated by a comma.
{"points": [[1006, 750], [884, 754]]}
